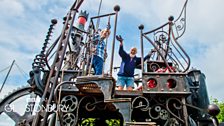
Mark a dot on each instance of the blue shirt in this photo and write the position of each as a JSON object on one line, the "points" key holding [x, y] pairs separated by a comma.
{"points": [[100, 47], [128, 64]]}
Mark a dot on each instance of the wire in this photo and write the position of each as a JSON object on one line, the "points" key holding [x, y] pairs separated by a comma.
{"points": [[4, 69], [7, 76], [52, 55], [25, 75]]}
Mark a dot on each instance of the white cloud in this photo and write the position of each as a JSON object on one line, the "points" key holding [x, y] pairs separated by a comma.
{"points": [[211, 63], [34, 4], [205, 28], [11, 8]]}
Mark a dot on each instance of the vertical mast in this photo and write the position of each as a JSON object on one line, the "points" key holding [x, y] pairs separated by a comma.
{"points": [[7, 75]]}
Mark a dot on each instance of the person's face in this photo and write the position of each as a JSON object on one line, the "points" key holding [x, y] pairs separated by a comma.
{"points": [[105, 33], [133, 51]]}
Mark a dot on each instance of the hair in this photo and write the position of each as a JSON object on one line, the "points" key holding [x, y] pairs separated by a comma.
{"points": [[134, 48]]}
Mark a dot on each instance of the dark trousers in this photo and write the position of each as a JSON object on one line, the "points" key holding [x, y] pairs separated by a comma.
{"points": [[97, 65]]}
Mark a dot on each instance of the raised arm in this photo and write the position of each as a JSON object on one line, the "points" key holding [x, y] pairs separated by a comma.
{"points": [[145, 58], [122, 53], [150, 54]]}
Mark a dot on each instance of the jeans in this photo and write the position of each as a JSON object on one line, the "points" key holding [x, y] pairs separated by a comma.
{"points": [[97, 65]]}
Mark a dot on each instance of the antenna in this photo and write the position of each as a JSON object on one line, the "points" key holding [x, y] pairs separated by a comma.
{"points": [[98, 20]]}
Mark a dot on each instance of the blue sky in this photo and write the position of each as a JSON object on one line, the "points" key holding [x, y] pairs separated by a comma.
{"points": [[24, 24]]}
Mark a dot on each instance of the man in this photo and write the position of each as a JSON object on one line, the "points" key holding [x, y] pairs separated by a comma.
{"points": [[99, 51], [127, 68]]}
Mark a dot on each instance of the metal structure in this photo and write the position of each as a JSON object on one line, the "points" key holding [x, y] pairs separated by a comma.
{"points": [[170, 95]]}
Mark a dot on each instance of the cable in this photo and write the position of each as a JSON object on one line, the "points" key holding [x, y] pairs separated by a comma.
{"points": [[4, 69], [22, 71], [7, 76]]}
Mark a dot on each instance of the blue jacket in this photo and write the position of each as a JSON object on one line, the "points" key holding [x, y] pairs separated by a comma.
{"points": [[127, 67]]}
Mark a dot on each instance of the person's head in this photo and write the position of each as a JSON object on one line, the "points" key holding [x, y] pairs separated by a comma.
{"points": [[133, 51], [105, 33]]}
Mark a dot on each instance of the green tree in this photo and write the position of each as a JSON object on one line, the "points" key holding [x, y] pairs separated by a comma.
{"points": [[221, 107]]}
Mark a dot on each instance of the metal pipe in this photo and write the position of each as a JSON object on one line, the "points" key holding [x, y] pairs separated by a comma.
{"points": [[100, 16], [110, 14], [116, 9], [156, 29], [141, 27], [105, 49], [168, 41]]}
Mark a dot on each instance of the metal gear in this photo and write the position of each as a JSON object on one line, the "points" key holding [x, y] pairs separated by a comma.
{"points": [[69, 119], [173, 122], [164, 115], [27, 117], [69, 103]]}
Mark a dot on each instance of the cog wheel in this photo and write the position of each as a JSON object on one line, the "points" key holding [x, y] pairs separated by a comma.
{"points": [[173, 122], [69, 119], [164, 115], [5, 107], [70, 103]]}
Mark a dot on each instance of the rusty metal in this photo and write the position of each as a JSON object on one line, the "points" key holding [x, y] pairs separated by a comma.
{"points": [[188, 58], [175, 98], [55, 68], [116, 9], [149, 32], [106, 84], [40, 60], [167, 40], [141, 27], [157, 49], [104, 15], [181, 27], [95, 29]]}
